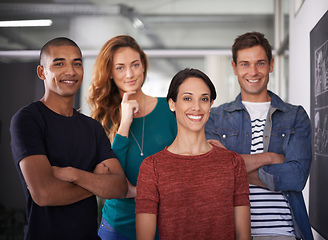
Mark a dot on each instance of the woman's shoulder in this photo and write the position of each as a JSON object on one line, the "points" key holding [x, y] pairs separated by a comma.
{"points": [[234, 157], [220, 150], [159, 155], [155, 158], [162, 103], [160, 106], [162, 99]]}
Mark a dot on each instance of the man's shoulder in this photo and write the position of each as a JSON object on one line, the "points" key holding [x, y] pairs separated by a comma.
{"points": [[84, 116], [90, 123], [284, 107], [34, 106], [223, 107], [87, 119], [31, 110]]}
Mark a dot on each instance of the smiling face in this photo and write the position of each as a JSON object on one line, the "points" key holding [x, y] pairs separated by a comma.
{"points": [[128, 70], [252, 69], [62, 71], [192, 105]]}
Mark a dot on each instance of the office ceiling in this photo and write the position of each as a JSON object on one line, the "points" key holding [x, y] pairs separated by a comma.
{"points": [[156, 24]]}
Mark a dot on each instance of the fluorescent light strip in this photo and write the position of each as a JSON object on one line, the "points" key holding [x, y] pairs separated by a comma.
{"points": [[26, 23]]}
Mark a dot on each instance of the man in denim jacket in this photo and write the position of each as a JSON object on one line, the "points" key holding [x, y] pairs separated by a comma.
{"points": [[273, 137]]}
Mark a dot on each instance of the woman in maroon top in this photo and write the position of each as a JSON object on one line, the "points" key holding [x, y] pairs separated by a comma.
{"points": [[192, 189]]}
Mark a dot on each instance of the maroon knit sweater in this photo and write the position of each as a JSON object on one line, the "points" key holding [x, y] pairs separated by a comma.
{"points": [[193, 196]]}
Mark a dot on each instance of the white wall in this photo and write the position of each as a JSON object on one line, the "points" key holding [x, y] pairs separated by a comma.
{"points": [[301, 24]]}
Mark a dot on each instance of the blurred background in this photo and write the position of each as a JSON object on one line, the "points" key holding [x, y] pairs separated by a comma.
{"points": [[175, 34]]}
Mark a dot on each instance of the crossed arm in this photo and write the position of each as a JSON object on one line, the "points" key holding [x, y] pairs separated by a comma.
{"points": [[54, 186], [297, 167], [254, 161]]}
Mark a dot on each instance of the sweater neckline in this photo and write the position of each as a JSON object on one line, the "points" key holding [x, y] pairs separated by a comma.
{"points": [[190, 156]]}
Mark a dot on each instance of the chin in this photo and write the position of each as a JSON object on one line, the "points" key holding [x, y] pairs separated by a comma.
{"points": [[131, 88], [196, 129], [68, 94]]}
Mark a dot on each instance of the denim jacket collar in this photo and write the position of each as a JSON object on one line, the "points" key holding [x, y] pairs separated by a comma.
{"points": [[276, 103]]}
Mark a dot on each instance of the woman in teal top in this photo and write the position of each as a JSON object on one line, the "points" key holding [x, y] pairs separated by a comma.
{"points": [[138, 125]]}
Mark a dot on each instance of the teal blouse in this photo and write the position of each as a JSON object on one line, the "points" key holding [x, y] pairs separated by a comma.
{"points": [[160, 131]]}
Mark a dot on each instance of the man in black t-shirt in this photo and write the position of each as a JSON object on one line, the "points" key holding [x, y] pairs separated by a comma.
{"points": [[64, 158]]}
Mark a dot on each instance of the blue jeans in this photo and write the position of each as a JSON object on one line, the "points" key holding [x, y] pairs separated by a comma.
{"points": [[107, 232]]}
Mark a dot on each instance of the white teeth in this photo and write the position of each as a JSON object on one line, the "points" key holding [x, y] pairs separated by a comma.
{"points": [[68, 81], [194, 117], [253, 81]]}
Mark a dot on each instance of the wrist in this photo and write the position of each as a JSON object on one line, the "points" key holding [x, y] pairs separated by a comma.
{"points": [[123, 129], [132, 191], [74, 174], [267, 157]]}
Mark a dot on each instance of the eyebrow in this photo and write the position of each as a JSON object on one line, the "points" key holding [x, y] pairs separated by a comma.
{"points": [[245, 61], [58, 59], [63, 59], [137, 60], [204, 94]]}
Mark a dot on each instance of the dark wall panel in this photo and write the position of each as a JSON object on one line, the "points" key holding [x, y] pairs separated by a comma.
{"points": [[319, 118], [19, 86]]}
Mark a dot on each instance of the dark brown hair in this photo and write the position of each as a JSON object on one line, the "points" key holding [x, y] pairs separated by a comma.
{"points": [[181, 76], [251, 39]]}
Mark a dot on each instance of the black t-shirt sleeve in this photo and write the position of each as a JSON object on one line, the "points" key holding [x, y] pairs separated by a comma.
{"points": [[105, 151], [26, 134]]}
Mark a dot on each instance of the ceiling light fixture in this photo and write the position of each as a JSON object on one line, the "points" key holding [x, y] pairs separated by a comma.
{"points": [[26, 23]]}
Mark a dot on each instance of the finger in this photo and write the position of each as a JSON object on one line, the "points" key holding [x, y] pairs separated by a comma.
{"points": [[136, 109], [133, 105], [126, 95]]}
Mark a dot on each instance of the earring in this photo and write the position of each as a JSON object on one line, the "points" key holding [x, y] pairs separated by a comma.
{"points": [[172, 109]]}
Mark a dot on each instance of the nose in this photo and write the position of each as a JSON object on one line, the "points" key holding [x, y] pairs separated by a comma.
{"points": [[195, 106], [253, 69], [129, 72], [70, 70]]}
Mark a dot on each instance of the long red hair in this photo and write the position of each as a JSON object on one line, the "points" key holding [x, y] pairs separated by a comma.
{"points": [[104, 97]]}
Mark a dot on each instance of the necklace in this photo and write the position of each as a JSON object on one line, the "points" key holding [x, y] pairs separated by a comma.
{"points": [[143, 132], [142, 138]]}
